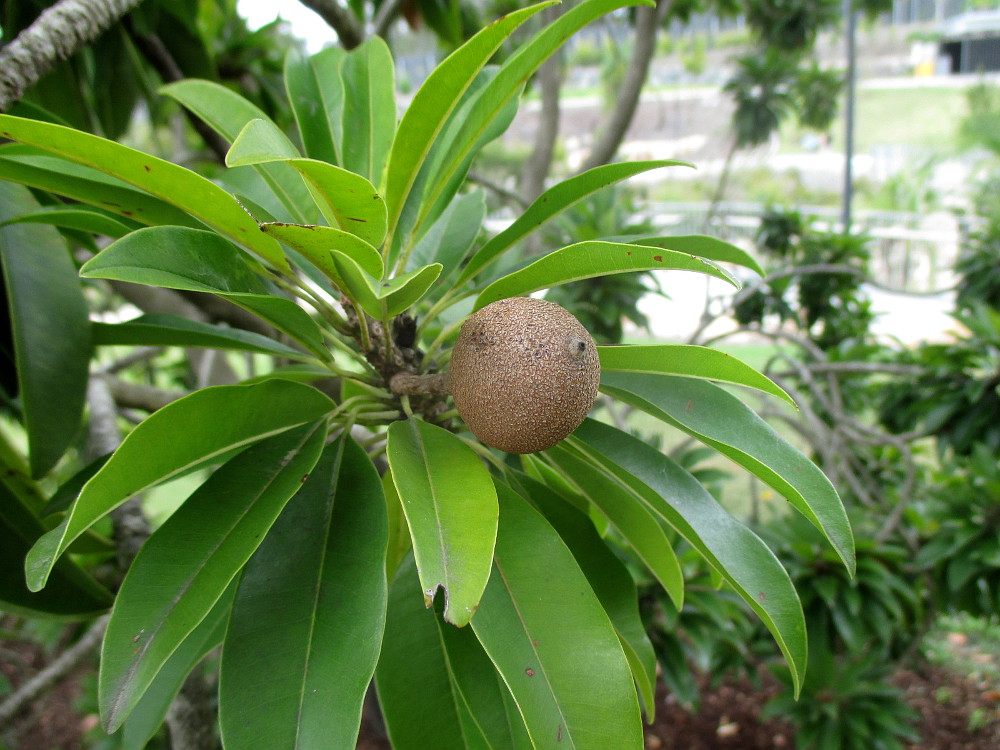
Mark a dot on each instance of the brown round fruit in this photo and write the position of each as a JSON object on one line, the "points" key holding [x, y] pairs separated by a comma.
{"points": [[524, 374]]}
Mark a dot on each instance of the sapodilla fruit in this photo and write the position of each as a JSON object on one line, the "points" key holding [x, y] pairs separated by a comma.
{"points": [[524, 374]]}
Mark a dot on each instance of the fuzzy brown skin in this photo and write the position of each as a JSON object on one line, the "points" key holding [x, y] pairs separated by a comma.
{"points": [[524, 374]]}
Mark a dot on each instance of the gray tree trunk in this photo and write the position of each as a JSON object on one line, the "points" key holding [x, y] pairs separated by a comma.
{"points": [[536, 168], [647, 23], [57, 33]]}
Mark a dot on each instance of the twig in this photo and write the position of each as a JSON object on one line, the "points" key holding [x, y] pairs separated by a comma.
{"points": [[60, 668], [340, 19], [141, 396], [386, 14]]}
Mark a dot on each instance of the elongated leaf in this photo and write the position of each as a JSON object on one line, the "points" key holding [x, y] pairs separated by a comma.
{"points": [[396, 295], [610, 580], [190, 431], [173, 330], [436, 686], [260, 141], [721, 420], [149, 713], [451, 508], [316, 242], [87, 186], [711, 248], [733, 550], [448, 240], [228, 113], [72, 592], [435, 100], [553, 201], [309, 614], [49, 326], [585, 260], [195, 260], [74, 218], [183, 188], [637, 525], [187, 564], [551, 640], [316, 93], [504, 87], [369, 108], [691, 361]]}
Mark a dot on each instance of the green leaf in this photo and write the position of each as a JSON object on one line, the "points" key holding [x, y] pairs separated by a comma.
{"points": [[316, 242], [634, 521], [181, 187], [551, 640], [49, 327], [451, 508], [435, 100], [173, 330], [719, 419], [692, 361], [199, 261], [151, 710], [436, 686], [228, 113], [448, 240], [309, 614], [585, 260], [732, 549], [553, 201], [399, 535], [369, 108], [87, 186], [610, 580], [344, 198], [187, 564], [209, 423], [711, 248], [71, 593], [316, 93], [74, 218], [396, 295], [260, 141], [502, 89]]}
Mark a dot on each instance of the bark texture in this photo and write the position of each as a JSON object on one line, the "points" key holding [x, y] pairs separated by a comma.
{"points": [[536, 168], [647, 23], [340, 19], [57, 33]]}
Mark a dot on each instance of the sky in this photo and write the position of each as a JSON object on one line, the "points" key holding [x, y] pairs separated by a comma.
{"points": [[305, 23]]}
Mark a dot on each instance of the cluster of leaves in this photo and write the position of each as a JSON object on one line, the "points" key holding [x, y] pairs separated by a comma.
{"points": [[353, 240]]}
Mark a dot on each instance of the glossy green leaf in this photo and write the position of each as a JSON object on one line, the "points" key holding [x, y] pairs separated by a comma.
{"points": [[316, 93], [451, 508], [260, 141], [173, 330], [187, 564], [434, 102], [553, 201], [74, 218], [502, 89], [151, 710], [732, 549], [634, 521], [711, 248], [208, 423], [181, 187], [551, 640], [49, 327], [399, 534], [395, 295], [316, 242], [448, 240], [228, 113], [719, 419], [71, 593], [309, 614], [436, 686], [369, 108], [585, 260], [199, 261], [691, 361], [88, 186], [610, 580]]}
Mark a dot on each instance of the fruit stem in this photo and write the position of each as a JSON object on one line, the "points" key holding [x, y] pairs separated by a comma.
{"points": [[408, 384]]}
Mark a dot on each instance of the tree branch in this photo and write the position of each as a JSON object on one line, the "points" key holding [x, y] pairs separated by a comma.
{"points": [[536, 168], [386, 15], [57, 33], [340, 19]]}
